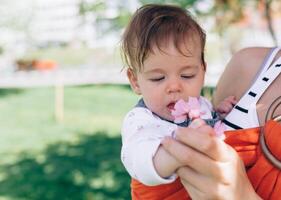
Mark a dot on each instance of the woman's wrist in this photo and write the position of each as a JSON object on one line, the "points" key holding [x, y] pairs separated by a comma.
{"points": [[247, 191], [252, 195]]}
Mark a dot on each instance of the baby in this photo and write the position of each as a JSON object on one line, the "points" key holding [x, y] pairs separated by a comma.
{"points": [[163, 47]]}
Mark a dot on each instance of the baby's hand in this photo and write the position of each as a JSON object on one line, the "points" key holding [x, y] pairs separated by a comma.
{"points": [[226, 106]]}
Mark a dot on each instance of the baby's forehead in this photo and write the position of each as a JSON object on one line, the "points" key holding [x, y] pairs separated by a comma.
{"points": [[186, 47]]}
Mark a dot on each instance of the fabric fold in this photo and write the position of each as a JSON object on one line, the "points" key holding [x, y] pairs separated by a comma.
{"points": [[171, 191], [264, 176]]}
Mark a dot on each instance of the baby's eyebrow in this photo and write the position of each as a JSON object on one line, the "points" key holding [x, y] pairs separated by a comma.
{"points": [[189, 66], [156, 70], [159, 70]]}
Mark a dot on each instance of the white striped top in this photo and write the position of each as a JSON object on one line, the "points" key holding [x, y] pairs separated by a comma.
{"points": [[244, 113]]}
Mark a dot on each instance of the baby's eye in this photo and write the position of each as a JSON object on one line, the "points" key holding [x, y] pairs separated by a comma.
{"points": [[187, 76], [157, 79]]}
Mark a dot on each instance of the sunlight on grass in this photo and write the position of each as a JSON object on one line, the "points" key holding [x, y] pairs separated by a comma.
{"points": [[78, 158], [27, 121]]}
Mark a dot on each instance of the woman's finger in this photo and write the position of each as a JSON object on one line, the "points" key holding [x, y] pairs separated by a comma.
{"points": [[200, 186], [198, 181], [203, 139], [195, 160], [193, 192]]}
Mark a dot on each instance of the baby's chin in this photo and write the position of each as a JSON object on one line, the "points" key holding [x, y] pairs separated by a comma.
{"points": [[164, 113], [166, 116]]}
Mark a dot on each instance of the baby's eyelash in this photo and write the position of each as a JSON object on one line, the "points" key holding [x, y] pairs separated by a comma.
{"points": [[187, 76], [157, 79]]}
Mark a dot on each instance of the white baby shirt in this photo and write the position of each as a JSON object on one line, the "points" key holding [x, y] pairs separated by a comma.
{"points": [[142, 132]]}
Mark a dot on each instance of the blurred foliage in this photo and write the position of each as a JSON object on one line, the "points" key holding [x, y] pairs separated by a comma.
{"points": [[88, 169], [98, 6], [78, 158], [226, 12], [181, 3], [104, 21], [7, 92]]}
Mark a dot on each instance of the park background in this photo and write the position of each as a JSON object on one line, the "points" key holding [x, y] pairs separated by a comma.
{"points": [[63, 93]]}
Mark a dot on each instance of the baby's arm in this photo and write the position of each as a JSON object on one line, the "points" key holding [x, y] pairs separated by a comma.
{"points": [[226, 106], [142, 154], [164, 163]]}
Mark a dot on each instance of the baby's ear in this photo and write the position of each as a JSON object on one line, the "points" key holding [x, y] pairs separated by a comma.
{"points": [[204, 65], [133, 81]]}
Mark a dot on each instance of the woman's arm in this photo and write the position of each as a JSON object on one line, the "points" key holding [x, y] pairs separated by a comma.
{"points": [[239, 73]]}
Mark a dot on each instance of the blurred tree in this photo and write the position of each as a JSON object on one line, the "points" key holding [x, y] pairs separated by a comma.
{"points": [[123, 12], [16, 18], [226, 12], [105, 20], [182, 3], [267, 5]]}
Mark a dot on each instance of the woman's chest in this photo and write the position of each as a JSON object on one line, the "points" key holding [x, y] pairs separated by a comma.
{"points": [[269, 105]]}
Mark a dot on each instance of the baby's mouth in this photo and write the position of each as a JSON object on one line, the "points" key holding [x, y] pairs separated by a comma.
{"points": [[171, 106]]}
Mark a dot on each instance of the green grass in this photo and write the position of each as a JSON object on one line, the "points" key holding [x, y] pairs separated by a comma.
{"points": [[78, 158], [29, 114], [75, 159]]}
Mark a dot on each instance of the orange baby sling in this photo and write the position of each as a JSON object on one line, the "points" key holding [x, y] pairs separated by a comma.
{"points": [[171, 191], [263, 173], [264, 176]]}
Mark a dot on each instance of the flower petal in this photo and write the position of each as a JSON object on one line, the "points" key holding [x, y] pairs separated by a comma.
{"points": [[180, 111]]}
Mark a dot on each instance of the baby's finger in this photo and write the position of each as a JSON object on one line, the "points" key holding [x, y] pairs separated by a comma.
{"points": [[232, 100], [228, 107]]}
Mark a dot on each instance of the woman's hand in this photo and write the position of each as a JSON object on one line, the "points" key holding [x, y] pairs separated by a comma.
{"points": [[211, 168]]}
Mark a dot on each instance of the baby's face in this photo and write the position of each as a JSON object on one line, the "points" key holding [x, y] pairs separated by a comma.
{"points": [[168, 76]]}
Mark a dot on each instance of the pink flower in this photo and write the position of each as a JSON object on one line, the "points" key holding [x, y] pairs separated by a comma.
{"points": [[183, 109], [180, 111], [194, 108]]}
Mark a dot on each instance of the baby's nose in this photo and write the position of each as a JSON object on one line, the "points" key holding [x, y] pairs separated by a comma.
{"points": [[174, 86]]}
